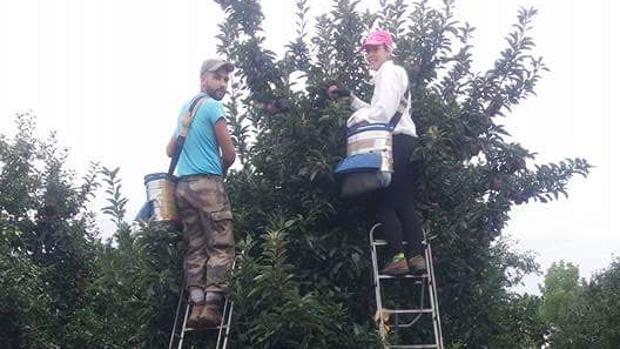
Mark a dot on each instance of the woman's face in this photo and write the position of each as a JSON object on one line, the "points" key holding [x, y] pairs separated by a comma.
{"points": [[377, 55]]}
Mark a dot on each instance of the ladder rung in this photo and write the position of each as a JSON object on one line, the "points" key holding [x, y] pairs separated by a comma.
{"points": [[410, 311], [383, 242], [414, 346], [192, 329], [380, 242], [405, 276]]}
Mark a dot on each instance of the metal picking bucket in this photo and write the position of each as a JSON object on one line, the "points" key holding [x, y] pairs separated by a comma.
{"points": [[371, 138], [160, 194], [369, 164]]}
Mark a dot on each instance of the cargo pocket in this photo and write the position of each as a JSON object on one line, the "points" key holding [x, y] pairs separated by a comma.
{"points": [[222, 234], [221, 215]]}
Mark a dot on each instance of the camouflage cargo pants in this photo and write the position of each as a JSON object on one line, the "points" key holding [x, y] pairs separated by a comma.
{"points": [[204, 208]]}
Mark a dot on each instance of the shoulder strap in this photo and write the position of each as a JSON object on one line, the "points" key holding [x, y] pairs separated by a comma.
{"points": [[404, 100], [188, 118], [186, 123]]}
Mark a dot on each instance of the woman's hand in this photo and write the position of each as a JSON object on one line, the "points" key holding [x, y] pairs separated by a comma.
{"points": [[331, 92], [334, 92]]}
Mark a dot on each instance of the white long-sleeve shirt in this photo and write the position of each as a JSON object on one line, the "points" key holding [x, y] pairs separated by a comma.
{"points": [[390, 82]]}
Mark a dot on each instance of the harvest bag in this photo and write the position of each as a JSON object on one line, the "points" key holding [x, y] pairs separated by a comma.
{"points": [[369, 164]]}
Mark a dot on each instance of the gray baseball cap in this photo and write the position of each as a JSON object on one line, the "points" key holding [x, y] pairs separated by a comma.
{"points": [[211, 65]]}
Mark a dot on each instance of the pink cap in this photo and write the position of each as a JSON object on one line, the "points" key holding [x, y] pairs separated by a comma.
{"points": [[377, 38]]}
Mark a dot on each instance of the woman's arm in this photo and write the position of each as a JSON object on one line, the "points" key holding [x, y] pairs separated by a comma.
{"points": [[357, 104], [334, 92], [388, 91], [389, 88]]}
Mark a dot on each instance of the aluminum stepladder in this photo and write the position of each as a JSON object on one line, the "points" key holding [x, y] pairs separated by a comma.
{"points": [[223, 330], [427, 279]]}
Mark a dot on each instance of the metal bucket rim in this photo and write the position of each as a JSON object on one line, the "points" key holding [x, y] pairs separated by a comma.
{"points": [[157, 176], [369, 127]]}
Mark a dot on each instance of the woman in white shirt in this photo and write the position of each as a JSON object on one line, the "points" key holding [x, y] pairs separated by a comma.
{"points": [[396, 208]]}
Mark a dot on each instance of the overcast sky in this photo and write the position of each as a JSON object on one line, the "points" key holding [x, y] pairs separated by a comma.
{"points": [[110, 76]]}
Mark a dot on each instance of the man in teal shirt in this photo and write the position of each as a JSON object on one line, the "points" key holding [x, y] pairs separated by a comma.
{"points": [[201, 194]]}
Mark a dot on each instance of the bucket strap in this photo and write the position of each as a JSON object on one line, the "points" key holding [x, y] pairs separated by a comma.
{"points": [[188, 118], [404, 100]]}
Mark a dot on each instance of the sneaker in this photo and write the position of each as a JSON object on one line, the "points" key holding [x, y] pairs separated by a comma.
{"points": [[196, 318], [212, 315], [417, 264], [398, 266]]}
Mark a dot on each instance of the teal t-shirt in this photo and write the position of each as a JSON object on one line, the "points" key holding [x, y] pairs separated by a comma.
{"points": [[201, 152]]}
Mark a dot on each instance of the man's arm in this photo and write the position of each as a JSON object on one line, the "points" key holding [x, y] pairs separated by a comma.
{"points": [[225, 143], [171, 147]]}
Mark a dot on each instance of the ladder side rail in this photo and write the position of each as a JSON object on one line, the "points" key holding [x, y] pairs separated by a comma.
{"points": [[375, 271], [183, 330], [225, 345], [176, 317], [227, 314], [221, 326], [433, 297]]}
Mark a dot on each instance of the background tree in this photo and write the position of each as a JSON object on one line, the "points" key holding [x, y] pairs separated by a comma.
{"points": [[560, 291], [591, 320], [133, 297], [60, 286], [47, 237]]}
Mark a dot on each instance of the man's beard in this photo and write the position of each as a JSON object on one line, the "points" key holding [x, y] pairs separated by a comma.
{"points": [[217, 94]]}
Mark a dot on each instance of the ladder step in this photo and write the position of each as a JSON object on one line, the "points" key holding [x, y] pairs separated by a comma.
{"points": [[410, 311], [192, 329], [405, 276], [380, 242]]}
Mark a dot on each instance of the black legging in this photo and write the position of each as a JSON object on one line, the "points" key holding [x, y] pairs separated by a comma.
{"points": [[396, 208]]}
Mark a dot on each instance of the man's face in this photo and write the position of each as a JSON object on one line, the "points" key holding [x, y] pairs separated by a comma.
{"points": [[377, 55], [215, 83]]}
